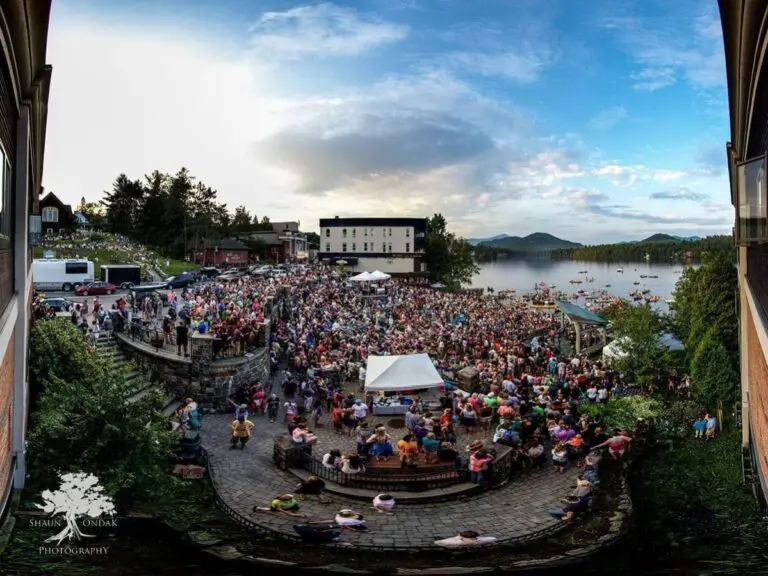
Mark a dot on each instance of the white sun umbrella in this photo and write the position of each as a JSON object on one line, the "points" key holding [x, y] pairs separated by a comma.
{"points": [[341, 262], [379, 275]]}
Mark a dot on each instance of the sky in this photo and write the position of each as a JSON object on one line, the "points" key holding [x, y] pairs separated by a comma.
{"points": [[595, 121]]}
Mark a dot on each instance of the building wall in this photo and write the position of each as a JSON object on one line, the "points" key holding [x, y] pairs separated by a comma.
{"points": [[758, 397], [388, 265], [399, 239], [6, 423]]}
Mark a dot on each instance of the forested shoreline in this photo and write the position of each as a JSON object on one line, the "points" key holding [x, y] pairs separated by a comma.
{"points": [[681, 250]]}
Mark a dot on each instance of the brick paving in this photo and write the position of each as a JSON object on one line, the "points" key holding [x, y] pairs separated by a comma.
{"points": [[249, 478]]}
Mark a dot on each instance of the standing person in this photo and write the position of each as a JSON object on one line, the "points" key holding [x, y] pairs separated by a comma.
{"points": [[241, 432], [273, 407], [617, 445], [711, 423], [95, 331], [182, 332]]}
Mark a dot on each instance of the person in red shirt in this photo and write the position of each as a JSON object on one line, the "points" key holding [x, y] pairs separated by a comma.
{"points": [[617, 444]]}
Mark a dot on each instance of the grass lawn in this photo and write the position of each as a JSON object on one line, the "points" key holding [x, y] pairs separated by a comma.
{"points": [[98, 257], [177, 267]]}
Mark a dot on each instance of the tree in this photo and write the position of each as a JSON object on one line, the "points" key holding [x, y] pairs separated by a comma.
{"points": [[313, 239], [657, 250], [713, 377], [644, 358], [81, 422], [242, 223], [78, 495], [449, 258]]}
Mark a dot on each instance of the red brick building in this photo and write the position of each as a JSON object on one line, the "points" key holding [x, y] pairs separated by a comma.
{"points": [[24, 85], [226, 253], [745, 37]]}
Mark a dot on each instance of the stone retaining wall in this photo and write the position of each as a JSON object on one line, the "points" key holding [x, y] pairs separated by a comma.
{"points": [[210, 381]]}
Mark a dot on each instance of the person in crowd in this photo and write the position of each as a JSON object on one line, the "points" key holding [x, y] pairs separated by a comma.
{"points": [[241, 432], [466, 539], [285, 504], [384, 503]]}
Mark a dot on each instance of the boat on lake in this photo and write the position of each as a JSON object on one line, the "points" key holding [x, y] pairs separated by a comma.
{"points": [[620, 270]]}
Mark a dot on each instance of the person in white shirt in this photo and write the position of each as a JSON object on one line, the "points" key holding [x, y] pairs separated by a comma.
{"points": [[465, 539], [361, 409], [361, 377]]}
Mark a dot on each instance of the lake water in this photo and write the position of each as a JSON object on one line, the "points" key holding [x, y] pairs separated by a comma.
{"points": [[523, 274]]}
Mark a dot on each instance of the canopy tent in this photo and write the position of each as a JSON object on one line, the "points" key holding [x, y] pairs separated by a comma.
{"points": [[392, 373], [616, 349], [437, 286], [362, 277], [580, 315], [379, 275]]}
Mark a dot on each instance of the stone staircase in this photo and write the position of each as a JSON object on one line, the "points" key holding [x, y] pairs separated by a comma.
{"points": [[135, 388]]}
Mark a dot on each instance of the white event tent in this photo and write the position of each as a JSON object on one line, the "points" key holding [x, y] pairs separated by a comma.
{"points": [[379, 275], [363, 277], [393, 373]]}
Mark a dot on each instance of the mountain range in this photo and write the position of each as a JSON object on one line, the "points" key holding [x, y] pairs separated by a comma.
{"points": [[536, 242], [543, 242]]}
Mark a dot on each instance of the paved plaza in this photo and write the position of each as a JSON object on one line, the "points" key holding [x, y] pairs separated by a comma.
{"points": [[248, 478]]}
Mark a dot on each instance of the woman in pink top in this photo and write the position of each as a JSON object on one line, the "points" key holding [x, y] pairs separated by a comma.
{"points": [[478, 463]]}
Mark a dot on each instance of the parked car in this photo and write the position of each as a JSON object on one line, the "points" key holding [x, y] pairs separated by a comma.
{"points": [[209, 272], [157, 290], [96, 289], [57, 304], [181, 281], [230, 275]]}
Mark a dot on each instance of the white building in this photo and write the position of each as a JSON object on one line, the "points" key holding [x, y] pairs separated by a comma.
{"points": [[392, 245]]}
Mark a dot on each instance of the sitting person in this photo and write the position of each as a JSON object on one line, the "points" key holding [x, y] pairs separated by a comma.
{"points": [[312, 486], [350, 519], [465, 539], [431, 445], [408, 449], [332, 460], [447, 453], [574, 506], [384, 503], [301, 435], [583, 488], [506, 435], [351, 465], [575, 447], [381, 445], [534, 453], [285, 504]]}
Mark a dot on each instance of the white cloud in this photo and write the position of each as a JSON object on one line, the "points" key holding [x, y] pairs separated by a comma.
{"points": [[319, 30], [525, 66], [608, 118]]}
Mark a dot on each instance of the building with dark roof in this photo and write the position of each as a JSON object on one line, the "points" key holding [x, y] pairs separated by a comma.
{"points": [[56, 216]]}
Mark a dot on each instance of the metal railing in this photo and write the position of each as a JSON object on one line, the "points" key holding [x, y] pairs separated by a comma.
{"points": [[499, 473]]}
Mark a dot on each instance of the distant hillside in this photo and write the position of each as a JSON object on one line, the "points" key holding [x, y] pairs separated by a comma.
{"points": [[660, 238], [536, 242], [476, 241]]}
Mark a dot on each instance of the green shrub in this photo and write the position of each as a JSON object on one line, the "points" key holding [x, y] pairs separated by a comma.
{"points": [[713, 377], [676, 418], [624, 412], [81, 421]]}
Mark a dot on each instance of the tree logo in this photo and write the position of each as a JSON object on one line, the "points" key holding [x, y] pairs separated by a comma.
{"points": [[79, 497]]}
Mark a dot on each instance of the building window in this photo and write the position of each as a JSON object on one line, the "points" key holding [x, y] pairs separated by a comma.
{"points": [[354, 247], [407, 232], [50, 213], [327, 232], [365, 247], [366, 231], [390, 231], [344, 233], [6, 206], [407, 247], [373, 231], [327, 246], [383, 246], [390, 247], [344, 247], [354, 232]]}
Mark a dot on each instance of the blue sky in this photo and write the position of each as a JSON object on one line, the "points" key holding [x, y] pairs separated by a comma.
{"points": [[595, 121]]}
